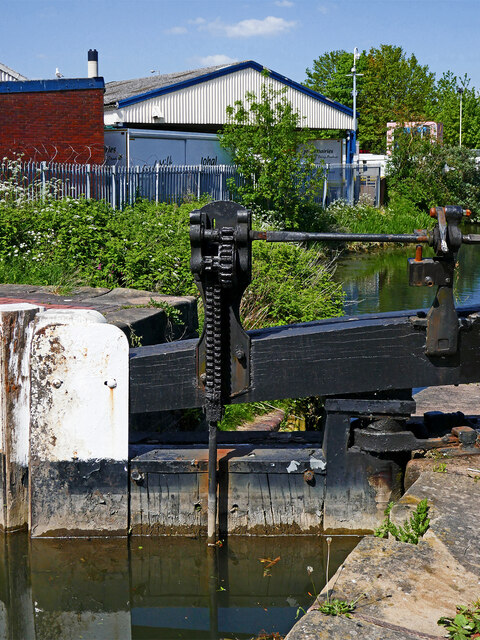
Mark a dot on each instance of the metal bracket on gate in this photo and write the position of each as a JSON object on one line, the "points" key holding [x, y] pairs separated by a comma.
{"points": [[442, 323], [221, 266]]}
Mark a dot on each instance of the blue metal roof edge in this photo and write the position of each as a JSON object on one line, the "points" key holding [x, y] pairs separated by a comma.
{"points": [[249, 64], [59, 84]]}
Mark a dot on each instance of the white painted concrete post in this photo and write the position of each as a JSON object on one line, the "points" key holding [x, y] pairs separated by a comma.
{"points": [[79, 426], [16, 331]]}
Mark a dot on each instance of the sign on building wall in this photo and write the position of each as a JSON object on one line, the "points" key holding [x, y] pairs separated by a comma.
{"points": [[162, 148], [329, 151]]}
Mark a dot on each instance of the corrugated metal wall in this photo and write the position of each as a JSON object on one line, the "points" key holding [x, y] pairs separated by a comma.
{"points": [[9, 75], [206, 103]]}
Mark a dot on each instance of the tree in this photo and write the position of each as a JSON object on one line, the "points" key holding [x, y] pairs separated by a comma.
{"points": [[393, 88], [273, 153], [446, 109], [331, 75]]}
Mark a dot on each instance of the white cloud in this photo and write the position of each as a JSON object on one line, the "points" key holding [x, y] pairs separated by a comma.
{"points": [[197, 21], [323, 9], [284, 3], [269, 26], [176, 31], [211, 61]]}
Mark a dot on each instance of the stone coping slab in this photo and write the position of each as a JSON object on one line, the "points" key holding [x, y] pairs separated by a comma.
{"points": [[409, 587], [129, 309], [316, 626], [454, 500]]}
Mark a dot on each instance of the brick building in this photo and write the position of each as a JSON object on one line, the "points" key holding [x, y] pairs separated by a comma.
{"points": [[57, 120]]}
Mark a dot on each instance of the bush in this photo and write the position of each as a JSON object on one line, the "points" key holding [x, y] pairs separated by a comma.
{"points": [[402, 216], [429, 174], [290, 283], [147, 246]]}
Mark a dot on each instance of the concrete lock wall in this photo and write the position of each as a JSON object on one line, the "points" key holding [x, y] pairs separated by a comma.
{"points": [[63, 422], [16, 332]]}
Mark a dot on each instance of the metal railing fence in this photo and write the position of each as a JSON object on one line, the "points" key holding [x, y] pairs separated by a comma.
{"points": [[122, 186]]}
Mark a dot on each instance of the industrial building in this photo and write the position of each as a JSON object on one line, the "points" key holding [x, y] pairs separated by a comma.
{"points": [[9, 75], [196, 101]]}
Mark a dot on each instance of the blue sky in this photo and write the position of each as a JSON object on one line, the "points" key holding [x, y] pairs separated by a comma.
{"points": [[136, 37]]}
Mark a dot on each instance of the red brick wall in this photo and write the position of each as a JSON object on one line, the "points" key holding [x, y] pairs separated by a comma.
{"points": [[57, 126]]}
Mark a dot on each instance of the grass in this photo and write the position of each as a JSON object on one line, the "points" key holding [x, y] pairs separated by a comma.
{"points": [[337, 607], [237, 414], [23, 271]]}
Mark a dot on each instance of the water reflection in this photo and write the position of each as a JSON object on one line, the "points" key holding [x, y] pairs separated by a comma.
{"points": [[378, 281], [157, 588]]}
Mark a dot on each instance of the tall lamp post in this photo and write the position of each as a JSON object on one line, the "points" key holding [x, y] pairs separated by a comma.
{"points": [[460, 90], [354, 74], [353, 145]]}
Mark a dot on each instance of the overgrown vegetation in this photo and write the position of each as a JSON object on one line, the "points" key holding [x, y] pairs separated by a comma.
{"points": [[411, 530], [89, 243], [69, 243], [465, 624]]}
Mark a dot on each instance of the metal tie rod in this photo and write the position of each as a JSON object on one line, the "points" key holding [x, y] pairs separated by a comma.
{"points": [[301, 236], [471, 238]]}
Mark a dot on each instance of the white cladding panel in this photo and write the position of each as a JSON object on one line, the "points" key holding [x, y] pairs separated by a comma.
{"points": [[9, 75], [206, 103]]}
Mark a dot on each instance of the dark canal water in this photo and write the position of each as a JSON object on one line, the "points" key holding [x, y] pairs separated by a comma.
{"points": [[158, 588], [378, 281]]}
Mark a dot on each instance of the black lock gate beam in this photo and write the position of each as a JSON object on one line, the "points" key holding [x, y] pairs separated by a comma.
{"points": [[324, 358]]}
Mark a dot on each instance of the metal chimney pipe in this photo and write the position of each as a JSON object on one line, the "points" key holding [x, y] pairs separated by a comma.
{"points": [[92, 63]]}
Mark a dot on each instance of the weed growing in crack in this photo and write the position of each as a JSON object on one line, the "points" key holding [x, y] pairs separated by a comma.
{"points": [[465, 624], [411, 530]]}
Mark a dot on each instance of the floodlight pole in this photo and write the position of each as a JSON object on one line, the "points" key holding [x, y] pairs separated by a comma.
{"points": [[353, 145]]}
